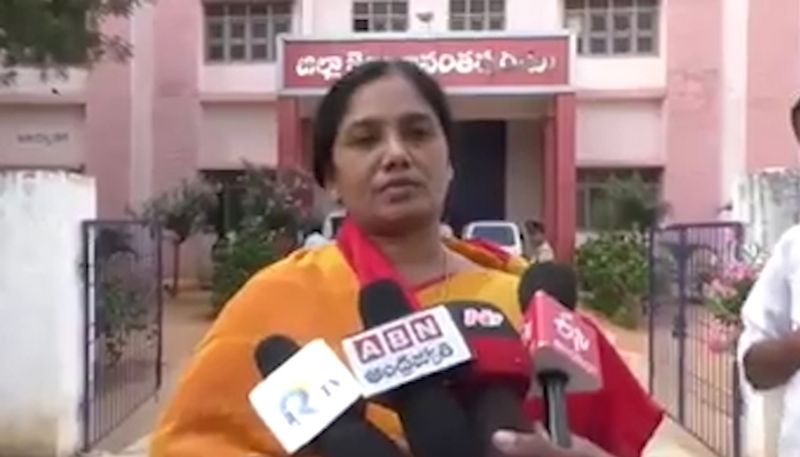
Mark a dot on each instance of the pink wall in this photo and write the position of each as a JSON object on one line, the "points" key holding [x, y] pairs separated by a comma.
{"points": [[176, 108], [691, 109], [108, 117], [773, 82]]}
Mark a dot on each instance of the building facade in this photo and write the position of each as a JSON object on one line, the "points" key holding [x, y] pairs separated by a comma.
{"points": [[552, 97]]}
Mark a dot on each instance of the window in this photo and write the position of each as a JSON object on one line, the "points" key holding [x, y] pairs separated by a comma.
{"points": [[614, 27], [594, 206], [477, 15], [380, 16], [245, 31]]}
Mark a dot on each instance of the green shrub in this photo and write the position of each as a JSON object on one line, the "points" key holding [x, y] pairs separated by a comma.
{"points": [[273, 210], [236, 259], [613, 275]]}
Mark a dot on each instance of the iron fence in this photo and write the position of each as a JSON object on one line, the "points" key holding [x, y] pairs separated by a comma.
{"points": [[123, 314], [696, 381]]}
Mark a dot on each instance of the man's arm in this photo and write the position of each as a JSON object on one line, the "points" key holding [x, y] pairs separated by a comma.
{"points": [[536, 444], [769, 351], [772, 363]]}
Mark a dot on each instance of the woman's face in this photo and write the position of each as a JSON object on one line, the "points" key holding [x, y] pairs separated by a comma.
{"points": [[390, 158]]}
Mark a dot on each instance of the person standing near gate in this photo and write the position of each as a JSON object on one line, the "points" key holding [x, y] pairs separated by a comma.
{"points": [[769, 347], [540, 249]]}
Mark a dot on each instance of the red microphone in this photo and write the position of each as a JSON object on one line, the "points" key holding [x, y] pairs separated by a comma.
{"points": [[563, 349], [494, 384]]}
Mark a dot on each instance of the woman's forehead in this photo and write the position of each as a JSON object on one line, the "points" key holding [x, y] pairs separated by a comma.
{"points": [[388, 97]]}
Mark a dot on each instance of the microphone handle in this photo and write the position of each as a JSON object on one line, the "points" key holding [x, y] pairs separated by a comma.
{"points": [[492, 408], [554, 384]]}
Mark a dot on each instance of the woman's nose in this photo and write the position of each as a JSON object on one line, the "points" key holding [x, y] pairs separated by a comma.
{"points": [[395, 151]]}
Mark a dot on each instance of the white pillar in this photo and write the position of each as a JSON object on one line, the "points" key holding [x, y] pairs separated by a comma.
{"points": [[733, 95], [41, 310]]}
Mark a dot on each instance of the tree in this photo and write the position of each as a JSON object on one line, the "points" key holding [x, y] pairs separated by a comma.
{"points": [[55, 34], [182, 211]]}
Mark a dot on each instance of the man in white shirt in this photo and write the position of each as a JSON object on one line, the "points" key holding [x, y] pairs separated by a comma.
{"points": [[769, 348]]}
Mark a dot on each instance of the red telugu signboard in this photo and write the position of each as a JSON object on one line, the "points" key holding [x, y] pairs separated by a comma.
{"points": [[312, 65]]}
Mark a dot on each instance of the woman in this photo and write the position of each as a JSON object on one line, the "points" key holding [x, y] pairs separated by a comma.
{"points": [[382, 140]]}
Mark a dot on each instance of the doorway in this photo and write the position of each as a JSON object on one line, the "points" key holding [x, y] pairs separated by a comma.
{"points": [[478, 191]]}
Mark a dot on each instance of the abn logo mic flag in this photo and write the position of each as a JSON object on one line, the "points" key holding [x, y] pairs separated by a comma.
{"points": [[404, 350]]}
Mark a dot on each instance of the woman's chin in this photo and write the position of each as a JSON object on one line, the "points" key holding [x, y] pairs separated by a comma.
{"points": [[406, 216]]}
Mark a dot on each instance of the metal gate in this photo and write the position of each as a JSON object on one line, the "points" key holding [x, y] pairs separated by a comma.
{"points": [[698, 387], [123, 313]]}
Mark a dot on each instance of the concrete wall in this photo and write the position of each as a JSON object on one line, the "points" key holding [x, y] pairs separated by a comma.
{"points": [[41, 309], [34, 135]]}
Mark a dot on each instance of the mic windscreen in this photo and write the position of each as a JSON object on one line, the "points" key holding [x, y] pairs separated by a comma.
{"points": [[273, 352], [356, 438], [382, 301], [556, 279], [434, 422], [500, 374], [499, 354]]}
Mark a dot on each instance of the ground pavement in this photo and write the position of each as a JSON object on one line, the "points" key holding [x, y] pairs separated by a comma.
{"points": [[186, 319]]}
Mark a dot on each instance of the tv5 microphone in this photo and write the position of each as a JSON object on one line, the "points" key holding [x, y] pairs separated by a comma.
{"points": [[404, 360], [497, 380], [563, 349], [310, 399]]}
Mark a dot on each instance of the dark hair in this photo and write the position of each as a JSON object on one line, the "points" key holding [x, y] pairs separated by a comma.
{"points": [[795, 118], [337, 101], [534, 226]]}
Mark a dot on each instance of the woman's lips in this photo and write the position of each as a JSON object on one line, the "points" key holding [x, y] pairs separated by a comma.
{"points": [[398, 184], [399, 189]]}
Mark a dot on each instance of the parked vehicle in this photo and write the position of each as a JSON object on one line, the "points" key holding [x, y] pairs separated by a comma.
{"points": [[333, 221], [507, 235]]}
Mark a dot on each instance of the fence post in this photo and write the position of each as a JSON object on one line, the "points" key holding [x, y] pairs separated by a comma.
{"points": [[159, 291], [738, 404], [680, 321], [651, 309]]}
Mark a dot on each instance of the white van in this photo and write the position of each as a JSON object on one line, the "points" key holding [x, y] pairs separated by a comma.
{"points": [[505, 234], [333, 221]]}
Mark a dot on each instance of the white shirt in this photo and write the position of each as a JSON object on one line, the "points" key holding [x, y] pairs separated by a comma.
{"points": [[772, 310], [315, 239]]}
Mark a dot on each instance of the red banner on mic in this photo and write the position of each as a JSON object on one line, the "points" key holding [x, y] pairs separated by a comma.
{"points": [[560, 340]]}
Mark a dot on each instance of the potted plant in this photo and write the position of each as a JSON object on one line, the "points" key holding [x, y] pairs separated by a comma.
{"points": [[725, 294]]}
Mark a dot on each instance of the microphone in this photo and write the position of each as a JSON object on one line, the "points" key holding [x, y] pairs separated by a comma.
{"points": [[500, 374], [411, 355], [557, 279], [309, 396], [562, 345]]}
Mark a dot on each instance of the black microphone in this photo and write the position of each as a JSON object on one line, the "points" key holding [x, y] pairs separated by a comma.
{"points": [[434, 422], [500, 375], [559, 282], [350, 435]]}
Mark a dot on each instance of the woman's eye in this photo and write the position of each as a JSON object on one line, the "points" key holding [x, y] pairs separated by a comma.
{"points": [[418, 132], [364, 138]]}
